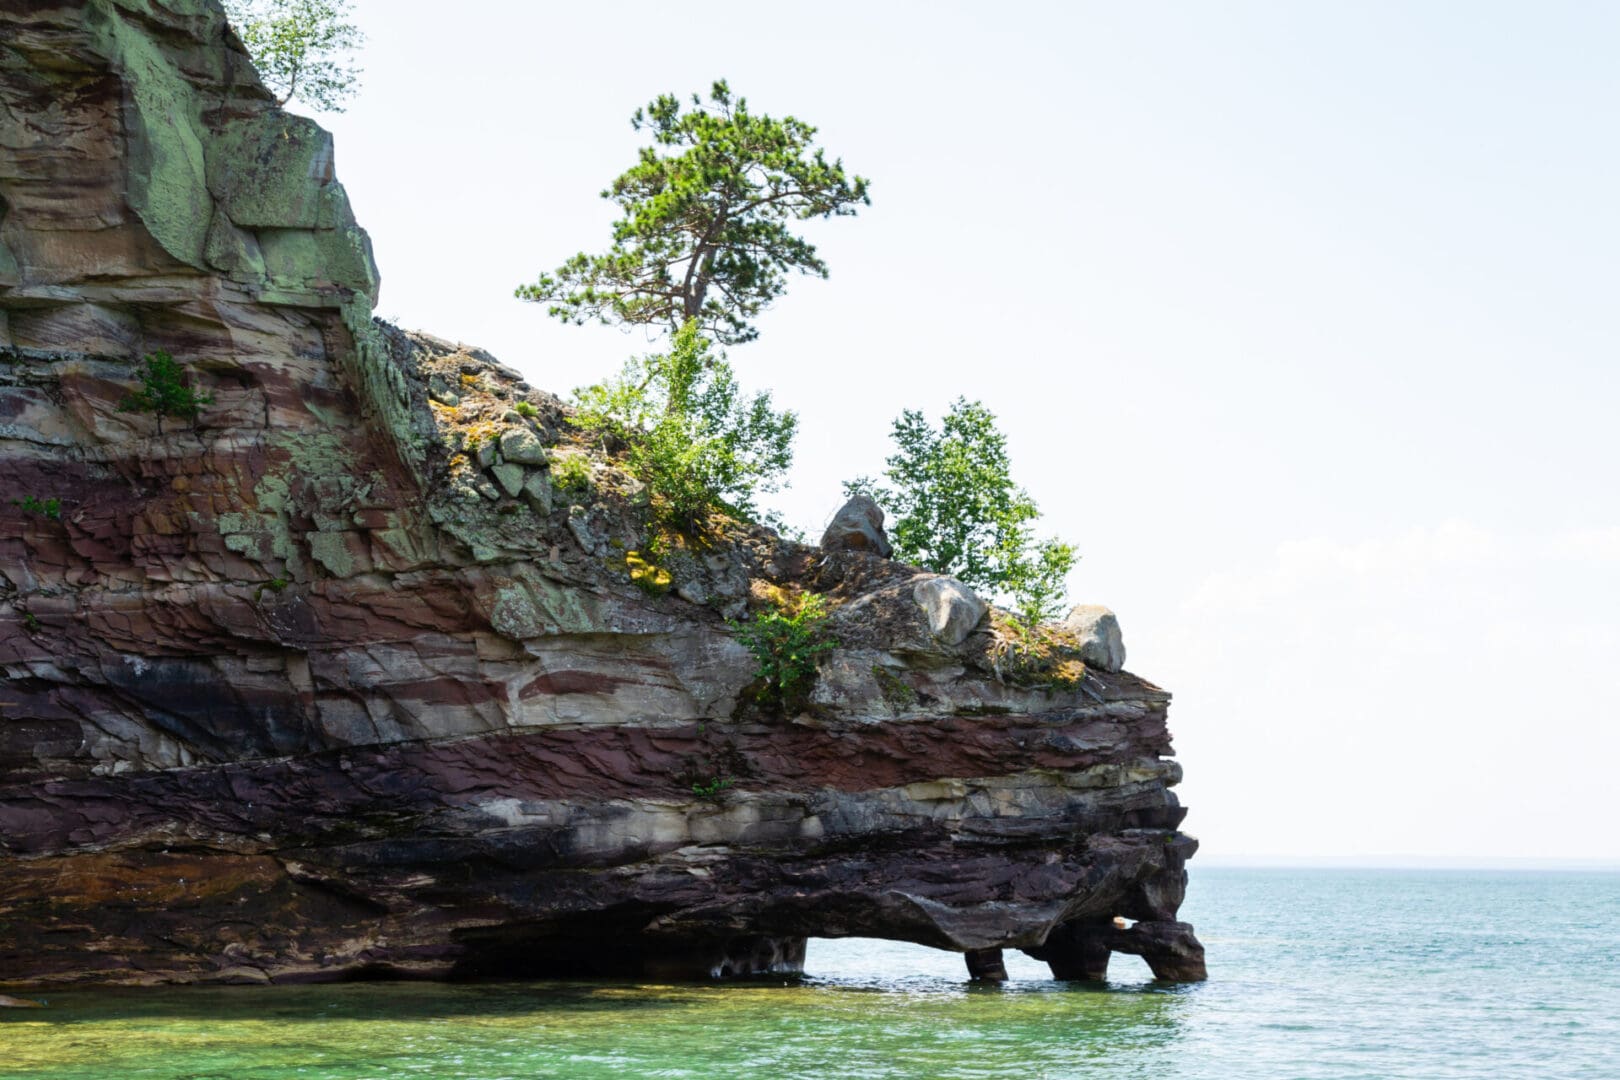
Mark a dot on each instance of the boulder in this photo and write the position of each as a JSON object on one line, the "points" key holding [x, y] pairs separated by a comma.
{"points": [[509, 477], [858, 527], [951, 608], [520, 446], [1101, 644], [537, 491]]}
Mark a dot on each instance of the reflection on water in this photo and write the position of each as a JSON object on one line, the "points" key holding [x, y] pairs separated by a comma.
{"points": [[1315, 975]]}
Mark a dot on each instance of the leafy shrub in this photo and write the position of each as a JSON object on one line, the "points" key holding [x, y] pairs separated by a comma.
{"points": [[526, 410], [51, 508], [1039, 581], [275, 585], [164, 390], [571, 472], [711, 788], [688, 432], [787, 643]]}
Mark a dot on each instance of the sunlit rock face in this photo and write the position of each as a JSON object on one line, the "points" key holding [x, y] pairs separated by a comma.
{"points": [[370, 669]]}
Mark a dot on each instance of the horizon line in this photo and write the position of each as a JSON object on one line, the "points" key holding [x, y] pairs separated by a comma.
{"points": [[1404, 861]]}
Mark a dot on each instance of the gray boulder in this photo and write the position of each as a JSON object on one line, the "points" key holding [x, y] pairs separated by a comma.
{"points": [[509, 477], [858, 527], [537, 491], [1102, 646], [520, 445], [951, 608]]}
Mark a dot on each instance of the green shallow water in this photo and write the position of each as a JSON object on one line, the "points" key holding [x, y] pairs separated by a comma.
{"points": [[1314, 974]]}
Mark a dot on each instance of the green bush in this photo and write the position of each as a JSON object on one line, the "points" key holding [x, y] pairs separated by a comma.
{"points": [[688, 432], [526, 410], [51, 508], [712, 788], [275, 585], [571, 473], [787, 643], [164, 390]]}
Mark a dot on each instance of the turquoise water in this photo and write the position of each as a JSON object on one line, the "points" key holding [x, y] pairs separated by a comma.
{"points": [[1314, 973]]}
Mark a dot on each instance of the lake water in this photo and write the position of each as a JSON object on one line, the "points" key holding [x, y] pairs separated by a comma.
{"points": [[1313, 973]]}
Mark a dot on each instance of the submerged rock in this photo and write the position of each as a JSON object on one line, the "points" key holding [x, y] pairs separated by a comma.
{"points": [[363, 673]]}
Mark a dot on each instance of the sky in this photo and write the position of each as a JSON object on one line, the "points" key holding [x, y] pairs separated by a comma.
{"points": [[1300, 318]]}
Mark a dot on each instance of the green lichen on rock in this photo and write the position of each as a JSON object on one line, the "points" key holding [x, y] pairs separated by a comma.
{"points": [[898, 693], [271, 170], [300, 260], [167, 170], [331, 550], [379, 375], [529, 605], [251, 195], [510, 477], [234, 251]]}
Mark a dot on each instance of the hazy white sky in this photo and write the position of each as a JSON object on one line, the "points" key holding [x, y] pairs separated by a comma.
{"points": [[1301, 317]]}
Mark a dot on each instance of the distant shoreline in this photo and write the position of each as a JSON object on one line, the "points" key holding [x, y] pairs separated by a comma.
{"points": [[1401, 862]]}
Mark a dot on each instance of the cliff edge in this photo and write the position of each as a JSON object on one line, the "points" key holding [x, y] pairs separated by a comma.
{"points": [[368, 670]]}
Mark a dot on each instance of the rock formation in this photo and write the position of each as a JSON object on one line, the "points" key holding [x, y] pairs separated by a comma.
{"points": [[372, 669], [858, 526], [1097, 635]]}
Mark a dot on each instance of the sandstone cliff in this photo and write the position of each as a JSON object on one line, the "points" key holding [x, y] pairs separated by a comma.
{"points": [[367, 671]]}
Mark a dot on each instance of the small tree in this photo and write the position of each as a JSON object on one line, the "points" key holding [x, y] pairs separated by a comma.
{"points": [[958, 512], [301, 47], [705, 231], [1041, 582], [164, 391], [689, 432], [787, 644]]}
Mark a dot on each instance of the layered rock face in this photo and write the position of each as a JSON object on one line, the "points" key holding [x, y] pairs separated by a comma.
{"points": [[372, 670]]}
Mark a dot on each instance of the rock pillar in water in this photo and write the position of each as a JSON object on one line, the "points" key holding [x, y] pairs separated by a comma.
{"points": [[986, 965], [1169, 948], [1080, 950], [1077, 951]]}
